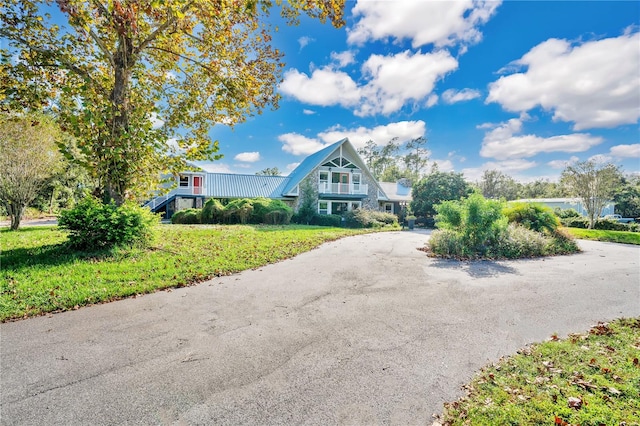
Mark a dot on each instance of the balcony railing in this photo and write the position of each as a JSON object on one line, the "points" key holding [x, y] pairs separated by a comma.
{"points": [[343, 188], [181, 190]]}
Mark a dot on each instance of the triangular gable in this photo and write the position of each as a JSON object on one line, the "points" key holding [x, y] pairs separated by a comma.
{"points": [[310, 163]]}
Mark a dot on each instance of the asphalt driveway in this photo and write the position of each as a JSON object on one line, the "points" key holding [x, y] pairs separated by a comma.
{"points": [[364, 330]]}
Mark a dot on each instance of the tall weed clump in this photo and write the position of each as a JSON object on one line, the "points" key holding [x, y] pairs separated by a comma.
{"points": [[93, 225], [479, 228], [474, 225]]}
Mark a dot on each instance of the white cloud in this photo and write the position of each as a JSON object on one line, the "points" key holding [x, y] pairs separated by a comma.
{"points": [[297, 144], [600, 158], [443, 165], [325, 87], [215, 167], [291, 166], [397, 79], [625, 151], [431, 100], [343, 59], [561, 164], [443, 23], [403, 130], [451, 96], [390, 83], [509, 167], [156, 122], [594, 84], [248, 157], [503, 143], [308, 112], [304, 41]]}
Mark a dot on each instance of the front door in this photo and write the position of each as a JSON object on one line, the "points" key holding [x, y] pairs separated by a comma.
{"points": [[197, 185]]}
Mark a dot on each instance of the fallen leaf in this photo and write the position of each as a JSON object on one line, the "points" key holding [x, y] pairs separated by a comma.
{"points": [[574, 402]]}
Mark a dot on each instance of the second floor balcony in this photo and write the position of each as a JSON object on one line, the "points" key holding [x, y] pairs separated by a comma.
{"points": [[343, 188]]}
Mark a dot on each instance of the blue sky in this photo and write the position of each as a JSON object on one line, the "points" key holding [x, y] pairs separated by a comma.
{"points": [[519, 86]]}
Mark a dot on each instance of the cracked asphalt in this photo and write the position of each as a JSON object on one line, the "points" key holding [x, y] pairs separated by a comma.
{"points": [[364, 330]]}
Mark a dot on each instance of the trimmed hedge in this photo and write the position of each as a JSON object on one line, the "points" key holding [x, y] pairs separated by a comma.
{"points": [[364, 218], [244, 210], [601, 224]]}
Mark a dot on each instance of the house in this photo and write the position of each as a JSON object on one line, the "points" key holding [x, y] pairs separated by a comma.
{"points": [[339, 178], [568, 203]]}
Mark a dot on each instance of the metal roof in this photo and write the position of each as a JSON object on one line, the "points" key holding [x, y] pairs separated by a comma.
{"points": [[228, 185], [396, 191]]}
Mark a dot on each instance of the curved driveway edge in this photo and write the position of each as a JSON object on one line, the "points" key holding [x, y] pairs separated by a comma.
{"points": [[363, 330]]}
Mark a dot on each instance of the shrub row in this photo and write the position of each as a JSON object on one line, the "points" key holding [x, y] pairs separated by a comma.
{"points": [[93, 225], [602, 224], [365, 218], [244, 210]]}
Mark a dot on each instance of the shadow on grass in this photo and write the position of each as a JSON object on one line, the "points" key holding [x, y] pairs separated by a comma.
{"points": [[476, 268], [47, 255]]}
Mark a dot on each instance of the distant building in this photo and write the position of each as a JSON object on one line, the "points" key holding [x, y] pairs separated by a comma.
{"points": [[568, 203]]}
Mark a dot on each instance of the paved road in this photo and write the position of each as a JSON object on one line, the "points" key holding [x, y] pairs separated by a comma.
{"points": [[365, 330]]}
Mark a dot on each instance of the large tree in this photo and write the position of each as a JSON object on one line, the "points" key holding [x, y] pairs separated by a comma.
{"points": [[139, 83], [435, 188], [28, 158], [594, 183], [495, 185], [627, 197]]}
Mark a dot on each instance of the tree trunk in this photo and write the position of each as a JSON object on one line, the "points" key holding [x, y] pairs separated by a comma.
{"points": [[15, 212], [117, 176]]}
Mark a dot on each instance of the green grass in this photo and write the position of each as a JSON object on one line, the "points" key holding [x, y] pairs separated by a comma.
{"points": [[625, 237], [590, 379], [39, 274]]}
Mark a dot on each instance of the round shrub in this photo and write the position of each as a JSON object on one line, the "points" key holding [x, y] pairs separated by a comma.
{"points": [[536, 217], [238, 211], [187, 217], [93, 225], [566, 213], [212, 212], [575, 222], [273, 212]]}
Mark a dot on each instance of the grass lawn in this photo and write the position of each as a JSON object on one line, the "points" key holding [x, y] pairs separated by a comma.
{"points": [[608, 236], [39, 274], [590, 379]]}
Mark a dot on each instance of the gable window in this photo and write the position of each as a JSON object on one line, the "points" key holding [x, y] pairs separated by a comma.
{"points": [[184, 181]]}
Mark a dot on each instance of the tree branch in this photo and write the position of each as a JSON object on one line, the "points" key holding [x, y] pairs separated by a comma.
{"points": [[159, 30]]}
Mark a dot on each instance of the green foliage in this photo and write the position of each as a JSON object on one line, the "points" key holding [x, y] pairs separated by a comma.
{"points": [[93, 225], [496, 185], [307, 209], [104, 68], [238, 211], [187, 217], [271, 212], [212, 212], [334, 220], [29, 157], [594, 183], [436, 188], [477, 228], [536, 217], [582, 222], [42, 274], [627, 197], [364, 218], [566, 213], [478, 221], [587, 379]]}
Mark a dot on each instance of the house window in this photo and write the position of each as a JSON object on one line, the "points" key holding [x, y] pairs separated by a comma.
{"points": [[184, 180], [388, 207], [355, 205], [323, 207], [339, 207]]}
